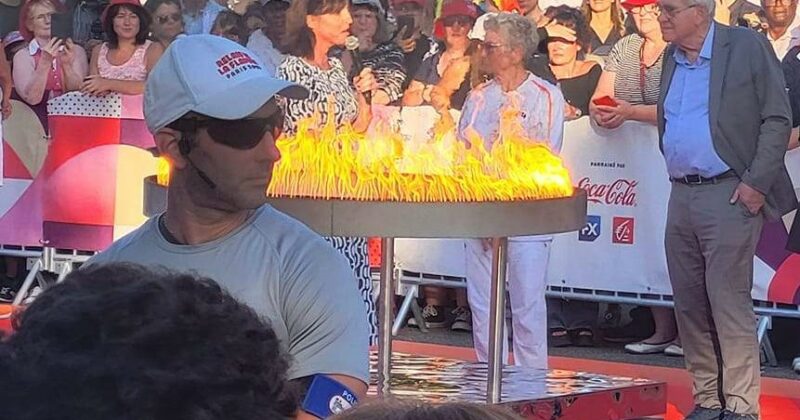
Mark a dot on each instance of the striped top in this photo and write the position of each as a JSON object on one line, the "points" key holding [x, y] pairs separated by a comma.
{"points": [[624, 60]]}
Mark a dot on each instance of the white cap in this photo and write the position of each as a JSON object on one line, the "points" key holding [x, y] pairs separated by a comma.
{"points": [[478, 31], [213, 76]]}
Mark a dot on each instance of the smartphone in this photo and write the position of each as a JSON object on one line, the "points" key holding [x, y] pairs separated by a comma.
{"points": [[605, 101], [61, 26], [405, 26]]}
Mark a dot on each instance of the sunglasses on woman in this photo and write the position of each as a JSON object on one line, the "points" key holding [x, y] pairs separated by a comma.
{"points": [[243, 134], [175, 17], [464, 21]]}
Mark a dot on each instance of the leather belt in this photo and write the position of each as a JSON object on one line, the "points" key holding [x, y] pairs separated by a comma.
{"points": [[700, 180]]}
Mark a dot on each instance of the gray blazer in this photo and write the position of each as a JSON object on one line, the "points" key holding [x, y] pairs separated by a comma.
{"points": [[749, 113]]}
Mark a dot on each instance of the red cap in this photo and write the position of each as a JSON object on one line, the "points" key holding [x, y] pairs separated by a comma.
{"points": [[630, 4], [116, 2], [454, 8]]}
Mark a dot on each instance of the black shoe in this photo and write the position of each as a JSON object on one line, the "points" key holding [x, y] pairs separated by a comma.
{"points": [[559, 338], [463, 319], [640, 328], [582, 337], [434, 316], [730, 415], [702, 413]]}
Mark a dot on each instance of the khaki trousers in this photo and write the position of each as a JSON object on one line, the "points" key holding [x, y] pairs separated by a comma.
{"points": [[710, 245]]}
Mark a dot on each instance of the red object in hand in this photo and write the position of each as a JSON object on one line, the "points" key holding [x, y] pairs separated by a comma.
{"points": [[605, 101]]}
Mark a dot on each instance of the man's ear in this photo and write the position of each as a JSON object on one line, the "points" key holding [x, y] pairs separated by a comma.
{"points": [[167, 142]]}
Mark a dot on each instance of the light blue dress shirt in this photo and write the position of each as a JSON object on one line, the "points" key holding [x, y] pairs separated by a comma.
{"points": [[688, 146]]}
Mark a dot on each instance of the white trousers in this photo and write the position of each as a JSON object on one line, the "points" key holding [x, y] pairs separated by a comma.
{"points": [[527, 268]]}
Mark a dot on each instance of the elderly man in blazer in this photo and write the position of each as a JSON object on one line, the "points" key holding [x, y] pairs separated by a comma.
{"points": [[724, 124]]}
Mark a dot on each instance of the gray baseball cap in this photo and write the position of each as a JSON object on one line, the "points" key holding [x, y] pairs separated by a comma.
{"points": [[213, 76]]}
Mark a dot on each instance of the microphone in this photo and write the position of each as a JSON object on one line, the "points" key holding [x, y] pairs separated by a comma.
{"points": [[351, 43], [202, 174]]}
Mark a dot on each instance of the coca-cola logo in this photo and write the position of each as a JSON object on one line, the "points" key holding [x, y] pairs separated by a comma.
{"points": [[621, 192]]}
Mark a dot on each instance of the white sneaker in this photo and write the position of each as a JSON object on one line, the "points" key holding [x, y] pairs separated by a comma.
{"points": [[796, 364], [674, 350], [644, 348]]}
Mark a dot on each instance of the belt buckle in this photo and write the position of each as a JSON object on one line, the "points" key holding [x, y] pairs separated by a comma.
{"points": [[693, 179]]}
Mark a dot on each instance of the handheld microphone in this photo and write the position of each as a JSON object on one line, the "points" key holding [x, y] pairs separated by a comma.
{"points": [[351, 43], [184, 144]]}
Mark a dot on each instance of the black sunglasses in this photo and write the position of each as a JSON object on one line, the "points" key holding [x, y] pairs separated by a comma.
{"points": [[465, 21], [243, 134]]}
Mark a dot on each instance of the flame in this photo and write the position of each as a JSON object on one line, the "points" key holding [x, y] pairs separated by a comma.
{"points": [[162, 171], [322, 161]]}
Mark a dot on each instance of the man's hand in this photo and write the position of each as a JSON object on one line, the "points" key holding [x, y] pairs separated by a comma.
{"points": [[487, 244], [752, 199]]}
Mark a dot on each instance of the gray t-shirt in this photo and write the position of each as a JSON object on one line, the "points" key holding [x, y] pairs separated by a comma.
{"points": [[287, 273]]}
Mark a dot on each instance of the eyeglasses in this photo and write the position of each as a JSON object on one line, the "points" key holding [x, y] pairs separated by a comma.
{"points": [[175, 17], [649, 9], [44, 17], [463, 21], [243, 134], [775, 2], [673, 13], [490, 47]]}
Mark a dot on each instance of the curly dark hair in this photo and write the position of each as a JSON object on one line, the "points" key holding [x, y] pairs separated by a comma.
{"points": [[122, 341], [574, 19], [418, 410]]}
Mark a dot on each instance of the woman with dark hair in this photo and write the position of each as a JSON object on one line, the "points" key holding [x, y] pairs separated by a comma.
{"points": [[49, 66], [606, 24], [122, 63], [577, 78], [313, 27], [230, 25], [119, 341], [377, 50], [167, 20]]}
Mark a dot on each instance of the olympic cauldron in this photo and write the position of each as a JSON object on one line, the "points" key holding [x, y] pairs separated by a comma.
{"points": [[341, 183]]}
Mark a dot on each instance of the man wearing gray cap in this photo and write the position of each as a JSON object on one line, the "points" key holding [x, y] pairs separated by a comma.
{"points": [[212, 108]]}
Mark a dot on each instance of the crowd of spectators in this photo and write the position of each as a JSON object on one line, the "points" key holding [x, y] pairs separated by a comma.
{"points": [[605, 58]]}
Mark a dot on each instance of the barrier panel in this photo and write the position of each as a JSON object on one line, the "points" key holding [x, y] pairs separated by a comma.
{"points": [[80, 187]]}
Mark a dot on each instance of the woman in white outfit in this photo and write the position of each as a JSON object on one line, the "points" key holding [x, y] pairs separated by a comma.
{"points": [[509, 39]]}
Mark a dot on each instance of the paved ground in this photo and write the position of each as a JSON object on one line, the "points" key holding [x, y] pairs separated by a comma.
{"points": [[603, 351]]}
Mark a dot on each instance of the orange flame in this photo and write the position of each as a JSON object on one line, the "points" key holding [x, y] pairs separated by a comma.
{"points": [[330, 163]]}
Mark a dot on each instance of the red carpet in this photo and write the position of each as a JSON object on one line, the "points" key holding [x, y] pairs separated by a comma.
{"points": [[780, 398]]}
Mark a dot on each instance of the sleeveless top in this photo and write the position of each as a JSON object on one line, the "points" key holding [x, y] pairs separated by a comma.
{"points": [[134, 69]]}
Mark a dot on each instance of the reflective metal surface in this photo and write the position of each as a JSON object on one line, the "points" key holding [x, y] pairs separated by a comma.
{"points": [[438, 380]]}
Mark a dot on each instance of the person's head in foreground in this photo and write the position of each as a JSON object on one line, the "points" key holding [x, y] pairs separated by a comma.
{"points": [[418, 410], [121, 341], [212, 107]]}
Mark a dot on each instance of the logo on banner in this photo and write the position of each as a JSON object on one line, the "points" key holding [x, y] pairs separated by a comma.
{"points": [[621, 192], [622, 231], [591, 230]]}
